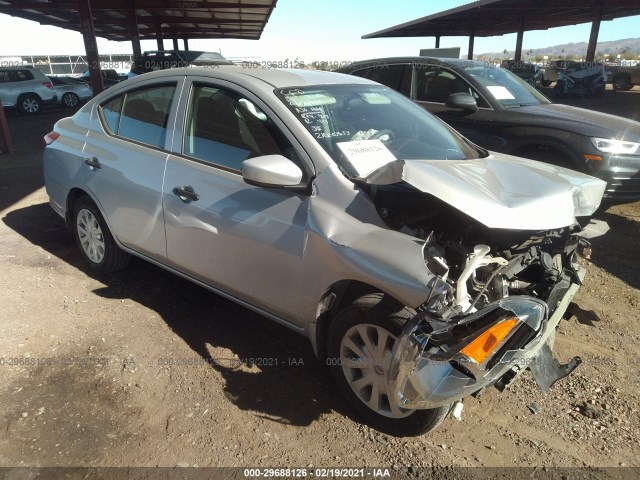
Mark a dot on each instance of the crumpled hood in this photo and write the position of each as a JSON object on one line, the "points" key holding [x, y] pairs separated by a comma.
{"points": [[501, 191]]}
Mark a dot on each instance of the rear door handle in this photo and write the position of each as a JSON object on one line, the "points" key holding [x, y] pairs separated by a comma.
{"points": [[186, 193], [93, 162]]}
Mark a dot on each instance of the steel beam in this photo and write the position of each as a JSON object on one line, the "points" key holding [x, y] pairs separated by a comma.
{"points": [[595, 30], [90, 45]]}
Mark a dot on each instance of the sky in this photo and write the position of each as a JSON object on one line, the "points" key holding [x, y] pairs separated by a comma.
{"points": [[316, 30]]}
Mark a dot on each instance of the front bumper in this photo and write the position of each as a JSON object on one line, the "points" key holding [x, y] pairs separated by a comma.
{"points": [[426, 373], [622, 174]]}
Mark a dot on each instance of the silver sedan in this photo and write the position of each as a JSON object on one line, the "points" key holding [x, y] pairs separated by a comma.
{"points": [[71, 92], [421, 267]]}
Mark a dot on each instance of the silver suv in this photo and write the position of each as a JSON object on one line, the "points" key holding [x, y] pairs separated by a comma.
{"points": [[25, 88]]}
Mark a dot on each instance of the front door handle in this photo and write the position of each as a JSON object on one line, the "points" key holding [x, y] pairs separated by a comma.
{"points": [[93, 162], [186, 193]]}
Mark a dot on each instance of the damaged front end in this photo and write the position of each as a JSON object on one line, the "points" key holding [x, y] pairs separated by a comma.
{"points": [[437, 362], [490, 324], [505, 269]]}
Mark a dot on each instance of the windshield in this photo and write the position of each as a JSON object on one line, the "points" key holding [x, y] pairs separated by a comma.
{"points": [[373, 123], [508, 89]]}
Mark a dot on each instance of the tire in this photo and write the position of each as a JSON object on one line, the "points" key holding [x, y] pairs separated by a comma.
{"points": [[379, 319], [94, 240], [622, 82], [70, 100], [30, 104]]}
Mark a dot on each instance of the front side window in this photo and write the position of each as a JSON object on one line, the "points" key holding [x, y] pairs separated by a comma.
{"points": [[435, 84], [339, 116], [224, 128], [140, 115]]}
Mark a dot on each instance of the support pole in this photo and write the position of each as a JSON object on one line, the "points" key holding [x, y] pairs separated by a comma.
{"points": [[471, 40], [186, 44], [595, 30], [518, 54], [6, 145], [175, 44], [437, 41], [90, 45], [135, 35], [159, 38]]}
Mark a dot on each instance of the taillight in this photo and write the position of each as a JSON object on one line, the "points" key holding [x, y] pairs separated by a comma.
{"points": [[51, 137], [47, 84]]}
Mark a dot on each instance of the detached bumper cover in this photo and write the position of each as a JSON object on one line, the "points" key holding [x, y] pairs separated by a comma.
{"points": [[428, 369]]}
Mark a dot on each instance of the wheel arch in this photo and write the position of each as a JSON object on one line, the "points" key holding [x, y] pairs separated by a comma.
{"points": [[76, 193], [535, 149], [336, 297]]}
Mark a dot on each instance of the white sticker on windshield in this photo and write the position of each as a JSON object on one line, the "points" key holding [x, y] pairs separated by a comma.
{"points": [[366, 156], [500, 93]]}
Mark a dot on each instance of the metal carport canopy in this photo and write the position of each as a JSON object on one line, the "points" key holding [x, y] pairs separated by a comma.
{"points": [[145, 19], [485, 18], [168, 18]]}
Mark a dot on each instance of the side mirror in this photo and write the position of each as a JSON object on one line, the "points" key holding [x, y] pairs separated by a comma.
{"points": [[463, 101], [274, 171]]}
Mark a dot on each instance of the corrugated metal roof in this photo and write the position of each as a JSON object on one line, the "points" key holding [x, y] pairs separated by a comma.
{"points": [[486, 18], [175, 18]]}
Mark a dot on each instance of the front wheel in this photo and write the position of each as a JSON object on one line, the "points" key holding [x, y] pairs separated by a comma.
{"points": [[96, 244], [359, 347]]}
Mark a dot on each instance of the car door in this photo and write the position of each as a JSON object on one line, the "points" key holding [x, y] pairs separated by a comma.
{"points": [[245, 240], [433, 83], [124, 161]]}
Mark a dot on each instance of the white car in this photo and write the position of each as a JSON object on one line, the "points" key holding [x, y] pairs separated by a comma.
{"points": [[25, 88], [421, 267]]}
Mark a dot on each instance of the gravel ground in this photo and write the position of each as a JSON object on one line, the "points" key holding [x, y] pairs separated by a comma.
{"points": [[86, 379]]}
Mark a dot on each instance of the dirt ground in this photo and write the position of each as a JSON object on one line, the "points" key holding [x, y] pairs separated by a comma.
{"points": [[86, 379]]}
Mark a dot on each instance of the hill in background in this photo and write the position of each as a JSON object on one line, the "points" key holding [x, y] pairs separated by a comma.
{"points": [[628, 48]]}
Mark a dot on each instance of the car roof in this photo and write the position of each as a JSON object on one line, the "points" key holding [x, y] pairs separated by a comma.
{"points": [[276, 78], [459, 62]]}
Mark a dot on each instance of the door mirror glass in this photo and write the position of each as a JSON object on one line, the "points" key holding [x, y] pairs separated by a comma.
{"points": [[463, 101], [273, 171]]}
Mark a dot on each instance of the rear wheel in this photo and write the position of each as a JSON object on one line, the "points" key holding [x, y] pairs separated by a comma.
{"points": [[30, 104], [96, 244], [622, 82], [359, 347], [70, 99]]}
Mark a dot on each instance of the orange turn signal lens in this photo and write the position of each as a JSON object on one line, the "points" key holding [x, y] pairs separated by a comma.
{"points": [[480, 348], [596, 158]]}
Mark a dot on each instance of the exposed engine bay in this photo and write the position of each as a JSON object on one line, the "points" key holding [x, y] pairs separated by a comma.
{"points": [[476, 265]]}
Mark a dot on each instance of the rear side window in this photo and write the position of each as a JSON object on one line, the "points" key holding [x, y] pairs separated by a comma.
{"points": [[397, 77], [4, 76], [140, 115]]}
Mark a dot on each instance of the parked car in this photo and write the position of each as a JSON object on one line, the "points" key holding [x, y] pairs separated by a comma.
{"points": [[110, 77], [153, 60], [498, 111], [71, 91], [25, 88], [527, 71], [421, 267], [587, 79], [623, 77]]}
